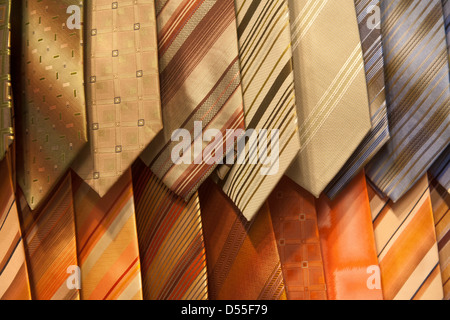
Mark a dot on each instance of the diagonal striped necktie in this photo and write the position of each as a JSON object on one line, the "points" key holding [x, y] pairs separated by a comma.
{"points": [[107, 243], [294, 220], [242, 258], [170, 240], [348, 244], [122, 89], [417, 82], [406, 245], [269, 102], [373, 61], [200, 90]]}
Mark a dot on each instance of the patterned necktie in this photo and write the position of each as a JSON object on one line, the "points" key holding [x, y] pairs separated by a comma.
{"points": [[417, 82], [242, 258], [348, 244], [373, 61], [269, 101], [50, 246], [14, 283], [330, 88], [200, 90], [406, 245], [107, 244], [170, 240], [122, 93], [295, 225], [51, 118]]}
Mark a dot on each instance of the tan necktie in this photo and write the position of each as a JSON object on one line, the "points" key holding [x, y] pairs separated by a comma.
{"points": [[51, 117], [122, 90], [331, 89], [107, 243]]}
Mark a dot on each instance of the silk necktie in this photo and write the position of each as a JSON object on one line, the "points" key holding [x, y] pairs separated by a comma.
{"points": [[107, 243], [330, 88], [51, 116], [170, 240], [242, 258], [406, 245], [294, 220], [122, 89], [417, 81], [200, 90], [348, 244], [50, 246], [14, 283], [373, 60]]}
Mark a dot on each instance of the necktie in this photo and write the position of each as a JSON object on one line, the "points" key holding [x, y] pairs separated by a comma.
{"points": [[122, 89], [107, 244], [406, 245], [348, 244], [241, 256], [51, 116], [50, 246], [14, 283], [373, 61], [269, 101], [440, 170], [294, 220], [331, 89], [170, 240], [418, 94], [200, 91]]}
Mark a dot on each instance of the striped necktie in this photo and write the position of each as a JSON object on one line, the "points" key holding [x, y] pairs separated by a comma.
{"points": [[269, 101], [417, 81], [170, 240], [200, 90], [51, 118], [50, 246], [348, 244], [122, 89], [294, 220], [14, 283], [406, 245], [241, 256], [330, 88], [107, 243], [373, 61]]}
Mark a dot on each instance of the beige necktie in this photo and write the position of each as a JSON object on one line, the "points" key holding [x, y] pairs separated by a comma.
{"points": [[331, 89]]}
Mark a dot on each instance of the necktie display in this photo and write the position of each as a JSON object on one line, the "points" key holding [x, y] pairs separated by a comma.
{"points": [[440, 170], [406, 244], [348, 244], [200, 90], [122, 90], [294, 220], [171, 240], [51, 118], [331, 89], [107, 244], [417, 81], [373, 62]]}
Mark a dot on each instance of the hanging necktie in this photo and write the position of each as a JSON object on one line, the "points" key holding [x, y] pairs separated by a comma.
{"points": [[51, 116], [406, 244], [200, 90], [50, 246], [331, 89], [241, 256], [14, 283], [294, 220], [348, 244], [170, 240], [370, 35], [107, 243], [417, 82], [122, 91]]}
